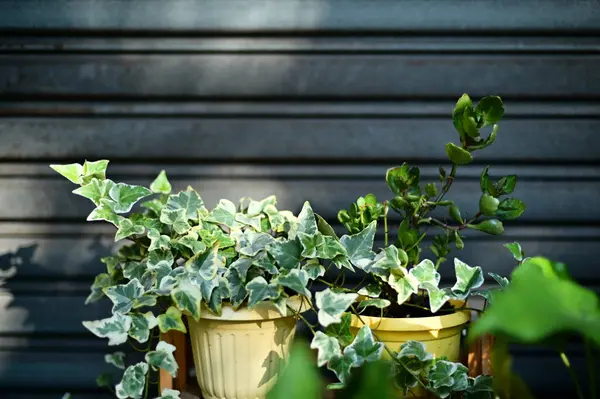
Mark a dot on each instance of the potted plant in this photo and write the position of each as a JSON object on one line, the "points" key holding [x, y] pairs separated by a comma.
{"points": [[398, 308], [240, 274]]}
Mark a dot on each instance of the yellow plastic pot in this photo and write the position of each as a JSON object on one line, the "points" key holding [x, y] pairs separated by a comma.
{"points": [[440, 334], [239, 354]]}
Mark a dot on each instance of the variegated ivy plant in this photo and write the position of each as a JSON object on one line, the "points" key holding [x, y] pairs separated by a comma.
{"points": [[396, 279], [183, 259]]}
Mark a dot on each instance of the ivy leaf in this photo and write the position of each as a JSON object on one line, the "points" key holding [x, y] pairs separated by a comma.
{"points": [[510, 208], [223, 213], [255, 242], [236, 287], [503, 281], [176, 218], [332, 305], [260, 290], [467, 279], [191, 242], [327, 347], [491, 110], [208, 264], [440, 377], [188, 200], [276, 219], [162, 358], [141, 324], [94, 170], [168, 393], [286, 253], [437, 297], [358, 246], [252, 221], [161, 184], [310, 243], [171, 320], [104, 212], [341, 366], [101, 281], [158, 241], [516, 250], [458, 155], [372, 290], [126, 195], [187, 297], [296, 280], [117, 359], [425, 273], [364, 348], [306, 220], [323, 227], [314, 269], [341, 330], [386, 261], [160, 259], [73, 172], [95, 190], [330, 248], [133, 382], [114, 328], [128, 229], [221, 291], [104, 380], [479, 387], [414, 356], [376, 302], [124, 295], [257, 207]]}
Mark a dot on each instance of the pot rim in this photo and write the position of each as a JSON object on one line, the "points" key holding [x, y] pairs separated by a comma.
{"points": [[262, 311], [428, 323]]}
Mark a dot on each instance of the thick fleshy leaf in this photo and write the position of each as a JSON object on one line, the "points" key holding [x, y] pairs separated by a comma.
{"points": [[160, 259], [168, 393], [341, 366], [306, 220], [358, 246], [341, 330], [491, 110], [286, 253], [516, 250], [425, 273], [296, 280], [171, 320], [510, 208], [177, 218], [327, 347], [259, 290], [221, 291], [117, 359], [128, 229], [95, 190], [188, 200], [332, 305], [141, 324], [104, 212], [314, 269], [161, 184], [207, 264], [467, 278], [133, 382], [437, 297], [414, 357], [73, 172], [114, 328], [458, 155], [255, 242], [124, 196], [223, 213], [405, 286], [124, 295], [162, 358], [375, 302], [237, 287], [364, 348], [252, 221], [187, 297]]}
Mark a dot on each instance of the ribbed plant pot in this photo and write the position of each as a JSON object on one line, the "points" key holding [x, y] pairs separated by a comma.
{"points": [[239, 354]]}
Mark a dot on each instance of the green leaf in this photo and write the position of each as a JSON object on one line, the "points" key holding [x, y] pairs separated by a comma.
{"points": [[440, 377], [516, 250], [372, 290], [506, 185], [191, 242], [414, 357], [479, 387], [188, 200], [161, 184], [324, 228], [537, 305], [101, 281], [341, 366], [300, 379], [314, 269], [425, 273], [176, 218], [141, 324], [376, 302], [95, 190], [114, 328], [484, 180], [510, 208], [286, 253], [437, 297], [117, 359], [402, 178], [458, 242], [73, 172], [104, 212], [330, 247], [490, 109], [260, 290], [104, 380], [187, 297], [160, 259], [358, 246], [158, 241], [162, 358], [257, 207], [488, 205], [332, 305], [207, 264], [94, 170], [327, 347], [385, 262], [154, 205], [133, 382], [405, 286], [125, 196], [364, 348], [296, 280], [502, 281], [223, 213], [458, 155], [128, 229], [124, 295], [254, 243], [341, 330], [276, 219], [236, 287], [134, 270], [168, 393], [490, 226], [171, 320], [221, 291], [467, 278], [306, 220], [310, 243], [431, 190], [254, 221]]}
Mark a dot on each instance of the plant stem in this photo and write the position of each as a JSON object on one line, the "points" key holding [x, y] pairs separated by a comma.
{"points": [[591, 369], [449, 181], [147, 384], [298, 315], [567, 364], [385, 224]]}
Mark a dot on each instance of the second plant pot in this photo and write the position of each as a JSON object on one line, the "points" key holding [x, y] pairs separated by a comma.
{"points": [[239, 354]]}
